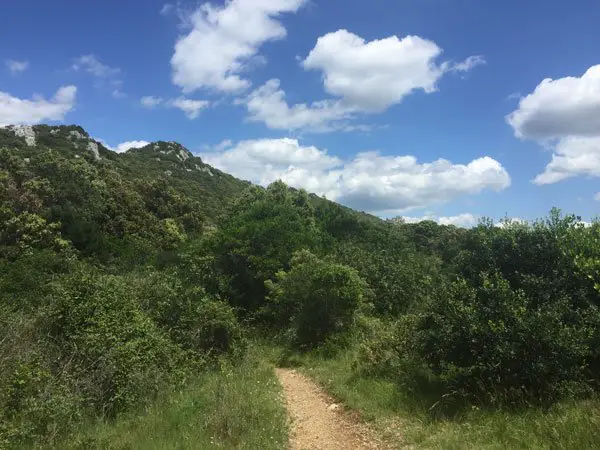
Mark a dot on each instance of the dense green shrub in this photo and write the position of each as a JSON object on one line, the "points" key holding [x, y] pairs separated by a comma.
{"points": [[37, 405], [318, 298], [119, 357], [213, 329], [262, 230], [491, 344], [194, 320], [397, 279]]}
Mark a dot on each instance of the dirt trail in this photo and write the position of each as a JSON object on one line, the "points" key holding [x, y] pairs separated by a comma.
{"points": [[318, 423]]}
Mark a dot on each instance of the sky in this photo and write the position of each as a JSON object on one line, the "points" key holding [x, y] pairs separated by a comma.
{"points": [[449, 110]]}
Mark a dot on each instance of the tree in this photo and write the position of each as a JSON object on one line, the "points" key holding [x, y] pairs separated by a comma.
{"points": [[317, 298], [258, 237]]}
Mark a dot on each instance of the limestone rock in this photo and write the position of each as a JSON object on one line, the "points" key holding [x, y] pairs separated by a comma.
{"points": [[25, 131], [93, 147]]}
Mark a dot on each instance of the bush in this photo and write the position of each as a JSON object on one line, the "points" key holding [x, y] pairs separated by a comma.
{"points": [[206, 326], [316, 297], [118, 356], [262, 230], [492, 344], [381, 350], [214, 328], [38, 406]]}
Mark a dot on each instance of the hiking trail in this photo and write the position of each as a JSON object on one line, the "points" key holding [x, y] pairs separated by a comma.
{"points": [[319, 423]]}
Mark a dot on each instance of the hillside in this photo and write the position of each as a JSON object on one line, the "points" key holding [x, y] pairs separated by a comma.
{"points": [[171, 161], [150, 194]]}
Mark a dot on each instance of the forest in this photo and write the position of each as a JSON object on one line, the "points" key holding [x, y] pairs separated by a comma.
{"points": [[132, 284]]}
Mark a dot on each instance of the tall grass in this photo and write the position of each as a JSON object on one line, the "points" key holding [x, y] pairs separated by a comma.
{"points": [[235, 407], [409, 424]]}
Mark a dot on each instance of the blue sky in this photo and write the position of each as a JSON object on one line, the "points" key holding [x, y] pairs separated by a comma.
{"points": [[354, 100]]}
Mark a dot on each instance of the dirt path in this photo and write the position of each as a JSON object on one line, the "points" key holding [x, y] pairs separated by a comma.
{"points": [[317, 422]]}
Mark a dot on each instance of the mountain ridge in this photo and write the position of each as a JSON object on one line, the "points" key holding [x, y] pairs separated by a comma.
{"points": [[185, 171]]}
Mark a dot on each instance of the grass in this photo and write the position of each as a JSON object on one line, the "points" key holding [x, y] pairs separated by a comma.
{"points": [[236, 407], [570, 425]]}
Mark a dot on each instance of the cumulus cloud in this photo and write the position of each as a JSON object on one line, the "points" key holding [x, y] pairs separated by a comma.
{"points": [[267, 104], [223, 145], [150, 101], [370, 182], [14, 110], [392, 183], [225, 40], [465, 220], [372, 76], [565, 115], [266, 160], [597, 197], [124, 146], [572, 156], [567, 106], [364, 77], [190, 107], [16, 67], [104, 75], [92, 65], [468, 64]]}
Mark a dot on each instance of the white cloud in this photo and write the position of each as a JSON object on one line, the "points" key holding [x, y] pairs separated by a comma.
{"points": [[14, 110], [465, 220], [266, 160], [223, 145], [572, 156], [150, 101], [372, 76], [124, 146], [567, 106], [225, 40], [369, 182], [191, 108], [364, 77], [118, 94], [104, 75], [267, 104], [597, 197], [92, 65], [167, 9], [468, 64], [563, 114], [17, 67], [395, 183]]}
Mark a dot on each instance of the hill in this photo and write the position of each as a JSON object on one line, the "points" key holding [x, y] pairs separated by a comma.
{"points": [[103, 199]]}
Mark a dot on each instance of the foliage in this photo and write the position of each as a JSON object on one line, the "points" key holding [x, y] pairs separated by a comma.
{"points": [[194, 320], [233, 407], [318, 298], [409, 421], [119, 356], [258, 237], [397, 279], [583, 245], [493, 344], [121, 277]]}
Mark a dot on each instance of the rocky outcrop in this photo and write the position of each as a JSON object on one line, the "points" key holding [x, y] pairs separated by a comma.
{"points": [[25, 131], [93, 147]]}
